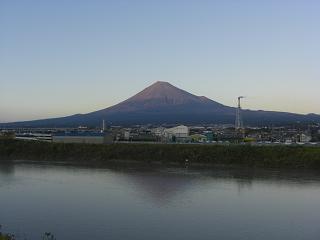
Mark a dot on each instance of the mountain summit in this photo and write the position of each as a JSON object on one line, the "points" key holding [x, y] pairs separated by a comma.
{"points": [[165, 93], [161, 95], [164, 103]]}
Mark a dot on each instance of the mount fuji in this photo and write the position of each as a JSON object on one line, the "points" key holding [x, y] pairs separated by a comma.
{"points": [[164, 103]]}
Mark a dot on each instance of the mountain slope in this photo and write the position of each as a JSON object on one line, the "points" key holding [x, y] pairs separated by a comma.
{"points": [[164, 103]]}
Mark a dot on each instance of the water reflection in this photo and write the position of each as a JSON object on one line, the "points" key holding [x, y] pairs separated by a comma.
{"points": [[154, 202], [6, 168], [160, 187], [6, 173]]}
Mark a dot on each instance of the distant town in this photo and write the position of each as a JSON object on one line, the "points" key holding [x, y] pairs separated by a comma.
{"points": [[295, 134]]}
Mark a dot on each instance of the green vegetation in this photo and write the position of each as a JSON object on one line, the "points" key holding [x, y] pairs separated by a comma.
{"points": [[7, 135], [46, 236], [245, 155], [7, 236]]}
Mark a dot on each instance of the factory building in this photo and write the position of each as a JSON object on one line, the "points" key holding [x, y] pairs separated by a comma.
{"points": [[179, 133], [304, 138], [82, 137], [44, 137]]}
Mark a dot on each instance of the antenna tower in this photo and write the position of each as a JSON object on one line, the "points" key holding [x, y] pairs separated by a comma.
{"points": [[103, 125], [239, 122]]}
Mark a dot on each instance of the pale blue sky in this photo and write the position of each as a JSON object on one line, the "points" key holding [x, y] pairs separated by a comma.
{"points": [[64, 57]]}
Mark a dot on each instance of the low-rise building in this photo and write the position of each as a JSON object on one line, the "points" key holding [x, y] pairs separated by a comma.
{"points": [[304, 138], [34, 137], [179, 133], [198, 138], [80, 137]]}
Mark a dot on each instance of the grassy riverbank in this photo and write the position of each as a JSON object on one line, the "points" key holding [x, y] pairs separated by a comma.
{"points": [[244, 155]]}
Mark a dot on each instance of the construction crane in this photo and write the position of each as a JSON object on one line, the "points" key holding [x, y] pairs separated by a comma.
{"points": [[239, 122]]}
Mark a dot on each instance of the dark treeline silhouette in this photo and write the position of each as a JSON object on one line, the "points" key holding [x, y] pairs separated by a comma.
{"points": [[244, 155]]}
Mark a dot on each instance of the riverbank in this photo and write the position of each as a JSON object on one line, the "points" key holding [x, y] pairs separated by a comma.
{"points": [[243, 155]]}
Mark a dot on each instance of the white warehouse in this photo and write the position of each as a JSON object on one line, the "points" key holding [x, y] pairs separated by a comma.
{"points": [[180, 133]]}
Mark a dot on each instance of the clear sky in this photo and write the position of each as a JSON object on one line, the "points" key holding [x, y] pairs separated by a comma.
{"points": [[64, 57]]}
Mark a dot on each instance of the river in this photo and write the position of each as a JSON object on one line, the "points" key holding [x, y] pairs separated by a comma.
{"points": [[141, 202]]}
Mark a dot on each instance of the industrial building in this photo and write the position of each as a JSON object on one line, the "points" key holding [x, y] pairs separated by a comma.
{"points": [[304, 138], [45, 137], [179, 133], [81, 137]]}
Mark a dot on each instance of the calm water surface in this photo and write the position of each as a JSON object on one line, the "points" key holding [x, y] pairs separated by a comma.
{"points": [[164, 203]]}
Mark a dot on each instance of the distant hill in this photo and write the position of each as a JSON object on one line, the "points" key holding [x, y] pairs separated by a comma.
{"points": [[164, 103]]}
